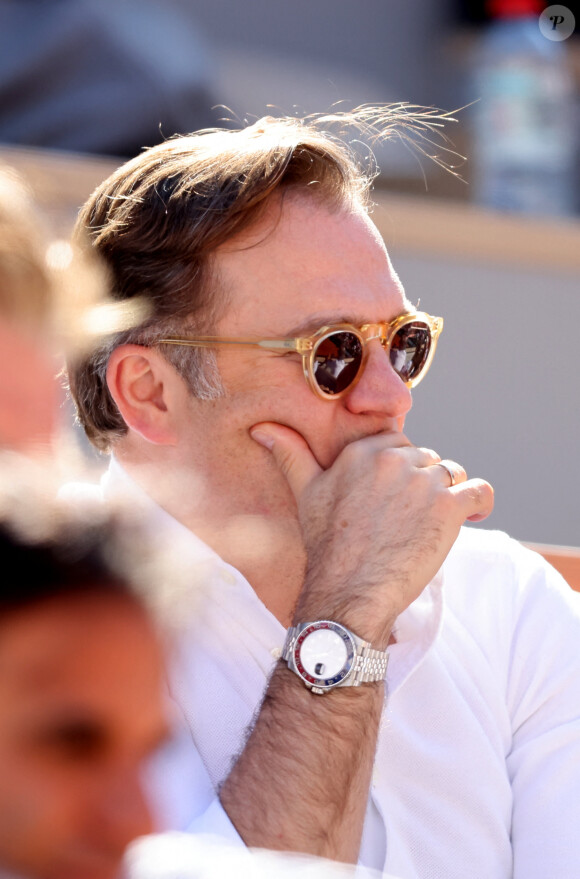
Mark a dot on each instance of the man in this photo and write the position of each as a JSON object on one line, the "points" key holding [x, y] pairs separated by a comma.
{"points": [[257, 418], [81, 702]]}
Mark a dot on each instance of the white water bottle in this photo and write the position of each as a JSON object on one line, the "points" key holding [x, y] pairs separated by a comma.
{"points": [[524, 123]]}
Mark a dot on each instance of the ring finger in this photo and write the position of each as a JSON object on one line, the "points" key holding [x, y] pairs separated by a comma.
{"points": [[451, 471]]}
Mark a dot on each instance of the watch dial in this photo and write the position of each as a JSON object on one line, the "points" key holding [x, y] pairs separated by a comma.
{"points": [[323, 653]]}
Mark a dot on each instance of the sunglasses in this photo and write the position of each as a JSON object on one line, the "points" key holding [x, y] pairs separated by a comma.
{"points": [[334, 357]]}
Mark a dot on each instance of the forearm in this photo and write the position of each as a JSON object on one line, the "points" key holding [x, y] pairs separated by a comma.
{"points": [[376, 527], [302, 780]]}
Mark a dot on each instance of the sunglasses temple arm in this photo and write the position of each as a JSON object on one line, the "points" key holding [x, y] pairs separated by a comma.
{"points": [[285, 344], [210, 342]]}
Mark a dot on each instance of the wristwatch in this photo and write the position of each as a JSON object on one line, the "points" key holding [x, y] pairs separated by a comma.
{"points": [[326, 655]]}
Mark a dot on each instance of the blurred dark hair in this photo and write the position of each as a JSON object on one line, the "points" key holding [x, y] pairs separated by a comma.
{"points": [[74, 562]]}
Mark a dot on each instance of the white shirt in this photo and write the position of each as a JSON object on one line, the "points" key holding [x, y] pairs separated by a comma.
{"points": [[188, 856], [477, 769]]}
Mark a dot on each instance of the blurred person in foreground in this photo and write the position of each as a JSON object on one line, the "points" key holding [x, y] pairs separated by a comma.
{"points": [[82, 700], [82, 687], [52, 299], [29, 395], [364, 679]]}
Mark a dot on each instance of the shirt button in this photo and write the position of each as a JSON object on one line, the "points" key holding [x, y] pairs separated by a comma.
{"points": [[227, 576], [276, 652]]}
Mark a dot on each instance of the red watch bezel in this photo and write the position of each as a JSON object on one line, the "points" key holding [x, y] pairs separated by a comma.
{"points": [[342, 632]]}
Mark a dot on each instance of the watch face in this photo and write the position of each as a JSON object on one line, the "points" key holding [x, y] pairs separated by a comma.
{"points": [[324, 653]]}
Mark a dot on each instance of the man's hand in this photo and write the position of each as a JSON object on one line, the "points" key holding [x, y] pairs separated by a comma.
{"points": [[377, 525]]}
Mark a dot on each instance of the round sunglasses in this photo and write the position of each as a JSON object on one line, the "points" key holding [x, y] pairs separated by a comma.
{"points": [[334, 357]]}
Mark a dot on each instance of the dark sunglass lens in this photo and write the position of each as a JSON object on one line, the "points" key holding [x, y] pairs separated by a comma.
{"points": [[410, 349], [337, 360]]}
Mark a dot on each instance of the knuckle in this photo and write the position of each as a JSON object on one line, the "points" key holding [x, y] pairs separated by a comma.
{"points": [[484, 492], [430, 454], [352, 453], [392, 462], [475, 488], [478, 493]]}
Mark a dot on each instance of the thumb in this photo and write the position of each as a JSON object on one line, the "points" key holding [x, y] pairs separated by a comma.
{"points": [[291, 453]]}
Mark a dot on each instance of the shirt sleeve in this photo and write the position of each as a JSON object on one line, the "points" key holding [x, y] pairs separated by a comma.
{"points": [[182, 856], [543, 695], [180, 792], [214, 821]]}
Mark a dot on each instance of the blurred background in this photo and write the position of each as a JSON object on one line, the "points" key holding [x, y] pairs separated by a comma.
{"points": [[495, 251]]}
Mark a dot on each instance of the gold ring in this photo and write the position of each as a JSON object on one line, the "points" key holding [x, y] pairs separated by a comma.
{"points": [[446, 466]]}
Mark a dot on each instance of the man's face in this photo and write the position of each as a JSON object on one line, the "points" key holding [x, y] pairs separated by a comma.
{"points": [[80, 709], [303, 267]]}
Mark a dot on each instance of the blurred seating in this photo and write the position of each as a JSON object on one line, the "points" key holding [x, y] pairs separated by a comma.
{"points": [[105, 78], [566, 560]]}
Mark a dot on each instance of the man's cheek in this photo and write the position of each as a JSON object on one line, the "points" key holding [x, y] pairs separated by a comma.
{"points": [[324, 445]]}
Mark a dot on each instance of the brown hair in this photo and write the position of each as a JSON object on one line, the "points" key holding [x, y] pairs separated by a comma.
{"points": [[158, 219]]}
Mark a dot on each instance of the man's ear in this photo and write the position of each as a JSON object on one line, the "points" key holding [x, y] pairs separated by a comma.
{"points": [[143, 385]]}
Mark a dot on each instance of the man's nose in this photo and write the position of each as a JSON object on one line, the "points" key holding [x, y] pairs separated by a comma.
{"points": [[379, 390]]}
